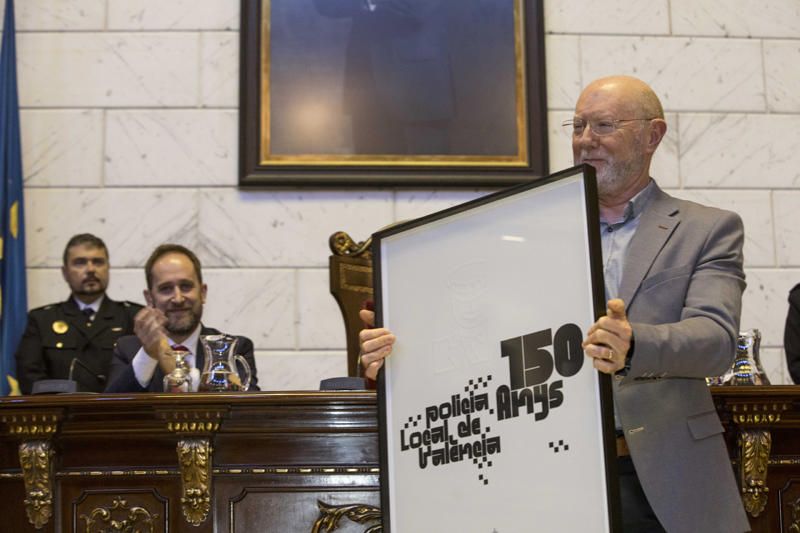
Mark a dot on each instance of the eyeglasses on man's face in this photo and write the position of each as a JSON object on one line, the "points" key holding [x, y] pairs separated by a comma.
{"points": [[602, 126]]}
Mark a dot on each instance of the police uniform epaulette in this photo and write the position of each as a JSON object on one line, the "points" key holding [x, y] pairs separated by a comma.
{"points": [[44, 307]]}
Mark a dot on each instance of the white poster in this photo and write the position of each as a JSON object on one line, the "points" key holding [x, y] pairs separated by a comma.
{"points": [[493, 419]]}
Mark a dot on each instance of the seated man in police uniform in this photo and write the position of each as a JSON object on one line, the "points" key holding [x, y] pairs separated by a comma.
{"points": [[75, 338]]}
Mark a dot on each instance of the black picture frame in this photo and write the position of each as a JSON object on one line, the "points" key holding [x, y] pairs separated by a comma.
{"points": [[429, 261], [278, 149]]}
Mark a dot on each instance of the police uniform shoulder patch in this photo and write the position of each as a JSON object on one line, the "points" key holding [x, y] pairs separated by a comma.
{"points": [[49, 307]]}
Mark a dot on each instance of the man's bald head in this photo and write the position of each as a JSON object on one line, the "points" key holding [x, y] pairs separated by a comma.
{"points": [[638, 97]]}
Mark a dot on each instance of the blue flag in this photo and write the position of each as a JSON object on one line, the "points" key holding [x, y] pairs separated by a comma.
{"points": [[13, 291]]}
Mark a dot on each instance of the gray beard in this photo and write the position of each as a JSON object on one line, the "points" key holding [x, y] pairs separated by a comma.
{"points": [[609, 181], [613, 179]]}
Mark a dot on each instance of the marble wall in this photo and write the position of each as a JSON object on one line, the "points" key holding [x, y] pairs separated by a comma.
{"points": [[129, 123]]}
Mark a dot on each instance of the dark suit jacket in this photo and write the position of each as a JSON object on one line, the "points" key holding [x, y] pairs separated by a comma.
{"points": [[682, 284], [58, 333], [791, 335], [123, 379]]}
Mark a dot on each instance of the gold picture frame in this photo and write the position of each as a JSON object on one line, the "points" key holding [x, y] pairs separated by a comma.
{"points": [[392, 93]]}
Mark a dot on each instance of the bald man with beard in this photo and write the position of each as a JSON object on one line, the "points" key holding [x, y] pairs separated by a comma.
{"points": [[674, 281]]}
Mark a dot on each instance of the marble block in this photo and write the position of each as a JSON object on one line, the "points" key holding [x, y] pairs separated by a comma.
{"points": [[282, 228], [219, 69], [108, 69], [45, 286], [787, 227], [173, 14], [773, 362], [665, 165], [127, 284], [765, 302], [739, 150], [62, 148], [132, 222], [736, 18], [688, 74], [257, 303], [284, 371], [783, 84], [610, 16], [171, 147], [320, 325], [414, 204], [559, 140], [63, 15], [563, 71]]}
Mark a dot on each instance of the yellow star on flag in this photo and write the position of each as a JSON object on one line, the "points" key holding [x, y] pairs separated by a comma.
{"points": [[13, 384]]}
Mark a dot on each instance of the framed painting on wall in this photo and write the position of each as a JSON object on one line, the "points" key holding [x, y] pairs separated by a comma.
{"points": [[392, 92]]}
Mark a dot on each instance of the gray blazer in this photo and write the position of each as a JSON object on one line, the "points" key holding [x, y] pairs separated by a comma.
{"points": [[682, 283]]}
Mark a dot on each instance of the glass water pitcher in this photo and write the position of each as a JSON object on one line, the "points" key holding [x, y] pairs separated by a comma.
{"points": [[220, 370]]}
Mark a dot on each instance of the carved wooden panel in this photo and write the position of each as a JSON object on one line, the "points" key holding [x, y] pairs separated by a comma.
{"points": [[101, 511], [762, 430], [789, 498], [295, 510], [82, 494], [275, 456], [141, 463]]}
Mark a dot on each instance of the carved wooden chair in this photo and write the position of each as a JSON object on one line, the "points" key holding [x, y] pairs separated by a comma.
{"points": [[350, 268]]}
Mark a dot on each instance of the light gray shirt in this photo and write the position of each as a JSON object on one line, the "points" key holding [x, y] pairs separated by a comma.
{"points": [[616, 236]]}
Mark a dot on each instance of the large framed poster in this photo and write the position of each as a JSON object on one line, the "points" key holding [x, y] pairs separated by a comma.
{"points": [[493, 420]]}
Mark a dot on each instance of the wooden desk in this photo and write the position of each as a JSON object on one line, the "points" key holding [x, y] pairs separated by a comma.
{"points": [[762, 430], [283, 462], [256, 462]]}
